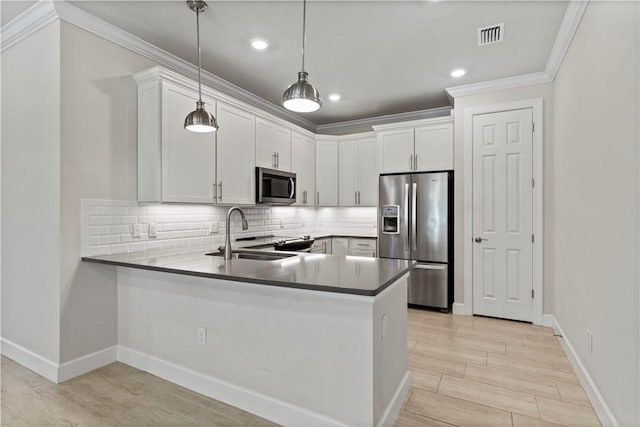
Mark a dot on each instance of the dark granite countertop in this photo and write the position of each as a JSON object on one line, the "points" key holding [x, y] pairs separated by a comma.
{"points": [[320, 272]]}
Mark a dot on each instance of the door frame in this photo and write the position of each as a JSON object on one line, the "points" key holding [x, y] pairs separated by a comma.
{"points": [[536, 104]]}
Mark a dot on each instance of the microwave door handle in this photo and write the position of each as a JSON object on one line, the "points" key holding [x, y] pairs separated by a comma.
{"points": [[293, 188]]}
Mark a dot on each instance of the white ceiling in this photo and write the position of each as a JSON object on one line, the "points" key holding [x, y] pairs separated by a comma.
{"points": [[383, 57]]}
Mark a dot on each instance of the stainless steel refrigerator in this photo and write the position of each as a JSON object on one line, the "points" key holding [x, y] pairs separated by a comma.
{"points": [[415, 222]]}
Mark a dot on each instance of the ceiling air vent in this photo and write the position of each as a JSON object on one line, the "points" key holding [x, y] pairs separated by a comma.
{"points": [[491, 34]]}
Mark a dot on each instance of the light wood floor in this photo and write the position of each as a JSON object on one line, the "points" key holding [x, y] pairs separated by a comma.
{"points": [[465, 371]]}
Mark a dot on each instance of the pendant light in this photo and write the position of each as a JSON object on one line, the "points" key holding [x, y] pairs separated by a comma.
{"points": [[199, 120], [302, 96]]}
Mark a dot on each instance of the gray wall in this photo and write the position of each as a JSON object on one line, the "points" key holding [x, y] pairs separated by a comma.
{"points": [[31, 193], [98, 159], [595, 200]]}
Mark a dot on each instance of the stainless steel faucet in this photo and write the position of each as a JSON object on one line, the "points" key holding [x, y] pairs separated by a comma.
{"points": [[227, 242]]}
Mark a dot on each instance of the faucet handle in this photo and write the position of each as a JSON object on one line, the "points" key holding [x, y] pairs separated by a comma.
{"points": [[221, 249]]}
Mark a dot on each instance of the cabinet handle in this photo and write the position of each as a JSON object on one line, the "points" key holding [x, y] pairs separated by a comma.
{"points": [[318, 198], [304, 197], [358, 197], [220, 187], [277, 160], [355, 197], [215, 192], [410, 161], [273, 160], [415, 162]]}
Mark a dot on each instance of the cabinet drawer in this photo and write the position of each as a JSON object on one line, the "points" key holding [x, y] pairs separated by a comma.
{"points": [[363, 252], [360, 244]]}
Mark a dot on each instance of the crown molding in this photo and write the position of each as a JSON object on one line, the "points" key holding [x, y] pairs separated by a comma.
{"points": [[499, 84], [414, 123], [341, 128], [46, 11], [568, 28], [27, 23]]}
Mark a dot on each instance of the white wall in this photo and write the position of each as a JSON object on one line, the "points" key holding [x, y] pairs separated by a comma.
{"points": [[98, 161], [595, 200], [543, 91], [31, 193]]}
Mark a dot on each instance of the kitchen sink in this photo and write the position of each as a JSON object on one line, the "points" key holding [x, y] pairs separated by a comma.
{"points": [[266, 256]]}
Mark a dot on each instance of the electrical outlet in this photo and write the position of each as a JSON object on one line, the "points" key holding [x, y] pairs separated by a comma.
{"points": [[589, 341], [153, 230], [213, 227], [202, 337], [137, 230]]}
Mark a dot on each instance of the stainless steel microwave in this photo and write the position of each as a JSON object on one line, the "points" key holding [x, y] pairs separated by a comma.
{"points": [[275, 187]]}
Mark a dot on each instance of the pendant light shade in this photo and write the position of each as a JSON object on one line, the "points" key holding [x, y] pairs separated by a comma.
{"points": [[199, 120], [302, 96]]}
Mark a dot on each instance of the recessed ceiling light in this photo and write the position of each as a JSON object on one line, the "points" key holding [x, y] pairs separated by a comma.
{"points": [[458, 72], [259, 44], [335, 97]]}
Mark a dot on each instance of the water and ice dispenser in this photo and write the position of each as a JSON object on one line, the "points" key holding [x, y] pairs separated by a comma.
{"points": [[390, 219]]}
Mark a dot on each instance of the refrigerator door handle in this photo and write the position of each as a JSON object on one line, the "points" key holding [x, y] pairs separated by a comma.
{"points": [[430, 267], [414, 208], [406, 217]]}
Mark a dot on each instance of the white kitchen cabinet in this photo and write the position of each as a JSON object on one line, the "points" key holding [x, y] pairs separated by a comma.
{"points": [[273, 145], [397, 150], [362, 247], [303, 164], [340, 246], [358, 172], [321, 246], [326, 172], [418, 146], [174, 165], [434, 147], [235, 153], [348, 172]]}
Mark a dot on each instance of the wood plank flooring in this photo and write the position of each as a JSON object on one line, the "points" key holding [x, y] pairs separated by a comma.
{"points": [[477, 371], [465, 371]]}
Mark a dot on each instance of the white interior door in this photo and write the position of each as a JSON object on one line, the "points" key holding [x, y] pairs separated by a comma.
{"points": [[503, 214]]}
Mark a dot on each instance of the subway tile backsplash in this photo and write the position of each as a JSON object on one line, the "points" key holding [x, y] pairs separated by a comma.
{"points": [[107, 225]]}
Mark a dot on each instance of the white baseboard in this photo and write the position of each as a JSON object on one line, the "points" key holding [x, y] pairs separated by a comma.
{"points": [[547, 320], [30, 360], [593, 393], [459, 308], [87, 363], [261, 405], [392, 410]]}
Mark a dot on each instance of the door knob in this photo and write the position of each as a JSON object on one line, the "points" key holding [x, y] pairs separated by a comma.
{"points": [[480, 239]]}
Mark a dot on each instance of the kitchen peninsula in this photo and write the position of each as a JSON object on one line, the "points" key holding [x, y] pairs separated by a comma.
{"points": [[310, 339]]}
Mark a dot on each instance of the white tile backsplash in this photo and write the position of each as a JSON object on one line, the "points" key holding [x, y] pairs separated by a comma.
{"points": [[107, 224]]}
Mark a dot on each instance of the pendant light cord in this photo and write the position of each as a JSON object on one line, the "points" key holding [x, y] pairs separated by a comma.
{"points": [[199, 61], [304, 28]]}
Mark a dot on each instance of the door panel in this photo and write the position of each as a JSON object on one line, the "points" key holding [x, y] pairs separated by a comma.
{"points": [[502, 214], [303, 164], [434, 147], [432, 226], [348, 172], [397, 150], [235, 155], [368, 159], [188, 158], [428, 285], [395, 190]]}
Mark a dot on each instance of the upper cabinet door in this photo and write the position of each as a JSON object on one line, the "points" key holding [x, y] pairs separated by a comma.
{"points": [[188, 158], [303, 164], [326, 173], [369, 172], [434, 147], [236, 155], [273, 145], [396, 150], [348, 172]]}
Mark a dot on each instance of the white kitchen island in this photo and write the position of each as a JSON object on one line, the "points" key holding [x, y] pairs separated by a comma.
{"points": [[290, 349]]}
